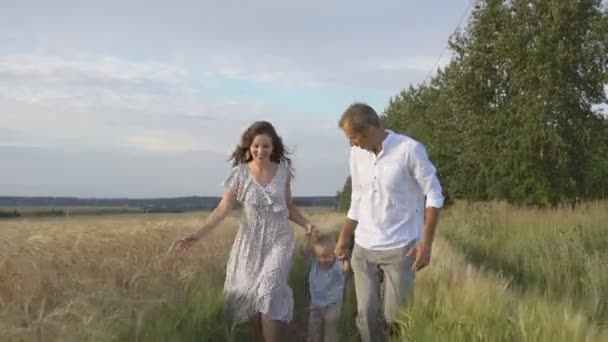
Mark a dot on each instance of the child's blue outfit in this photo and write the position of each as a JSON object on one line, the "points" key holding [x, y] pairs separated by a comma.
{"points": [[326, 296]]}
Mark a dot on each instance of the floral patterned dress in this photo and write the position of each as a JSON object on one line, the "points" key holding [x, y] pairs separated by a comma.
{"points": [[261, 256]]}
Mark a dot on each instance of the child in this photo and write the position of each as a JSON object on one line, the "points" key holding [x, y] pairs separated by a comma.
{"points": [[326, 281]]}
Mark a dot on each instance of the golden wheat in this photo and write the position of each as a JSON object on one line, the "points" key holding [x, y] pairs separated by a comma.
{"points": [[62, 278], [91, 278]]}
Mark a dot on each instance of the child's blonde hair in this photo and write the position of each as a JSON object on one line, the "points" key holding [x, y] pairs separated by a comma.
{"points": [[325, 239]]}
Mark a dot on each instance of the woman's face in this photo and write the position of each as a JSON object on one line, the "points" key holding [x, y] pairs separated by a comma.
{"points": [[261, 147]]}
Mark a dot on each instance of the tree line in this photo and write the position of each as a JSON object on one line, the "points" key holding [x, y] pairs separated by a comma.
{"points": [[517, 114]]}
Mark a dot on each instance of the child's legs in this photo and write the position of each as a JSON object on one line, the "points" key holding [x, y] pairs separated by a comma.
{"points": [[315, 326], [331, 317]]}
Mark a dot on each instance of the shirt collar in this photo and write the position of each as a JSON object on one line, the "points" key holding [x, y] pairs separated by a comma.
{"points": [[387, 142]]}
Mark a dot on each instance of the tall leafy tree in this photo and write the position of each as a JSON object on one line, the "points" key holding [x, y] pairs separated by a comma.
{"points": [[512, 116]]}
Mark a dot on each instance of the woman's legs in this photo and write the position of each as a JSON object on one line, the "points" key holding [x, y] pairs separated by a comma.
{"points": [[264, 329], [272, 329], [256, 329]]}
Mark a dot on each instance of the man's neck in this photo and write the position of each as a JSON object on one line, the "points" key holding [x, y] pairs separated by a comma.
{"points": [[380, 137]]}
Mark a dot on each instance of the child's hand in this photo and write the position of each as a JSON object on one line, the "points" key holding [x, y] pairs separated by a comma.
{"points": [[346, 265]]}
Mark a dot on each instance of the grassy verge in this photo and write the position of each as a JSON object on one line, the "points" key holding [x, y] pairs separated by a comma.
{"points": [[561, 254], [110, 279], [454, 301]]}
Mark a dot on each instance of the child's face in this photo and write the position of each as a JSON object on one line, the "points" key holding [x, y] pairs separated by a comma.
{"points": [[325, 255]]}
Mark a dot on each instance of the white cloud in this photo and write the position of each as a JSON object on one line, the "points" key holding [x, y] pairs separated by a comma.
{"points": [[134, 89], [52, 99], [292, 44], [86, 123], [416, 63], [162, 143], [21, 144]]}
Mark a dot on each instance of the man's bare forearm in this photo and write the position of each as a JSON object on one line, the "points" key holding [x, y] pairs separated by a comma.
{"points": [[431, 217], [347, 231]]}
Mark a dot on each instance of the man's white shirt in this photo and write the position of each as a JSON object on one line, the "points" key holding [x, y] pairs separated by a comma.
{"points": [[390, 192]]}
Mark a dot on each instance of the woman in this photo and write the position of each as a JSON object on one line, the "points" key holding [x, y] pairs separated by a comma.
{"points": [[256, 288]]}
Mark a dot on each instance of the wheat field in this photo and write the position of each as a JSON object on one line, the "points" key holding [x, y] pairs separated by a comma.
{"points": [[110, 278]]}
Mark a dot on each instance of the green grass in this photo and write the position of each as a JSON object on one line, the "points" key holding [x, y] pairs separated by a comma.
{"points": [[560, 255], [196, 316], [454, 301], [195, 311], [498, 273]]}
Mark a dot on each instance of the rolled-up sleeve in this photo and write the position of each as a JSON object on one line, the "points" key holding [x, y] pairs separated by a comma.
{"points": [[426, 176], [355, 194]]}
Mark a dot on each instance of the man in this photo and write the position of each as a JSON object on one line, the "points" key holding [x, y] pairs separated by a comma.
{"points": [[395, 204]]}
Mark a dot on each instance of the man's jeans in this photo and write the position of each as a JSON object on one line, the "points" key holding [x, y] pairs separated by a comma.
{"points": [[397, 284]]}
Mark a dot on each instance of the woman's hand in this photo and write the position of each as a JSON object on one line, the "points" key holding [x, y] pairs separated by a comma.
{"points": [[311, 231], [183, 244]]}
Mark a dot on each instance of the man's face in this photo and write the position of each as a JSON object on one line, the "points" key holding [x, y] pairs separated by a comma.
{"points": [[359, 139]]}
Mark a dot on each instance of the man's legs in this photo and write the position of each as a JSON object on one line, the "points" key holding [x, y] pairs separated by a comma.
{"points": [[398, 281], [367, 290]]}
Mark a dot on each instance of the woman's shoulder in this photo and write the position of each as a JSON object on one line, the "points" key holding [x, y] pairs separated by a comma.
{"points": [[235, 173], [234, 169], [287, 167]]}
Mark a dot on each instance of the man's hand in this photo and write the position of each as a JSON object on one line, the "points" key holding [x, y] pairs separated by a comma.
{"points": [[422, 254], [342, 252], [346, 265]]}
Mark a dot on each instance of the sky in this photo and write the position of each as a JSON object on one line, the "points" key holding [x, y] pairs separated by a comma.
{"points": [[148, 98]]}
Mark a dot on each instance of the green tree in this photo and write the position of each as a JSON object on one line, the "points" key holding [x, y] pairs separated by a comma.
{"points": [[343, 197], [511, 117]]}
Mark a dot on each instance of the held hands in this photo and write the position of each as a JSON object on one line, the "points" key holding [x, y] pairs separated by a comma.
{"points": [[342, 252], [312, 231], [346, 265]]}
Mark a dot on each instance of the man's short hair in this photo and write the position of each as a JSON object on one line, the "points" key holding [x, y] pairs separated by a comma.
{"points": [[357, 116]]}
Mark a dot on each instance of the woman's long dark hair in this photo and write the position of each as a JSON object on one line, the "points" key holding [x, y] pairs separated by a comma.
{"points": [[241, 153]]}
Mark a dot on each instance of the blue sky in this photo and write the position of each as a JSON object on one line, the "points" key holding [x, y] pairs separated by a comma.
{"points": [[147, 98]]}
